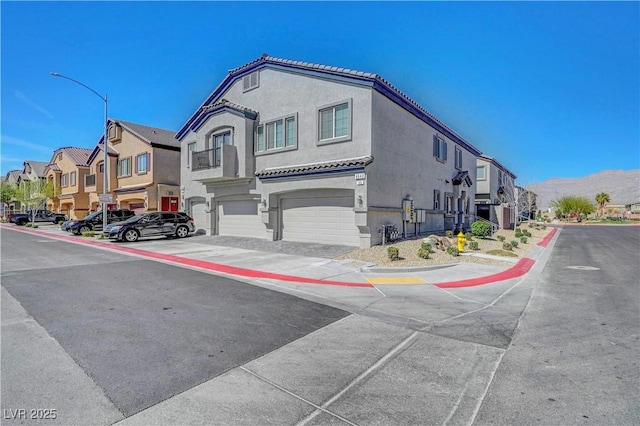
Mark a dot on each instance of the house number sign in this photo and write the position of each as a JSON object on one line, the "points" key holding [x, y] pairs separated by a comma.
{"points": [[360, 177]]}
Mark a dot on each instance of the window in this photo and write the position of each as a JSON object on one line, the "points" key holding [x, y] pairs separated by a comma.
{"points": [[334, 122], [458, 158], [439, 148], [277, 134], [191, 147], [436, 200], [219, 140], [250, 81], [500, 177], [481, 173], [449, 204], [143, 163], [64, 180], [124, 167], [72, 177], [101, 167]]}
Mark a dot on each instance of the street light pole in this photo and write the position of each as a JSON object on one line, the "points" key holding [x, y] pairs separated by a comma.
{"points": [[105, 165]]}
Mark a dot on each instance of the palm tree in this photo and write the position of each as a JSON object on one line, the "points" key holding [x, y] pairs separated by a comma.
{"points": [[602, 198]]}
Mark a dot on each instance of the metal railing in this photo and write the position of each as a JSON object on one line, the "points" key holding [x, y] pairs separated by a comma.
{"points": [[494, 226], [207, 159]]}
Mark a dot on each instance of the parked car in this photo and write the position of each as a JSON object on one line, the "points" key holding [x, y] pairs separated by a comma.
{"points": [[41, 216], [170, 224], [93, 222]]}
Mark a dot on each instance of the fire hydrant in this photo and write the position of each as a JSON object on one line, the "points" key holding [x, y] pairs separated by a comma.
{"points": [[461, 241]]}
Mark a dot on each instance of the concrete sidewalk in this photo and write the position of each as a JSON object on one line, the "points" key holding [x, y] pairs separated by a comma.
{"points": [[410, 353]]}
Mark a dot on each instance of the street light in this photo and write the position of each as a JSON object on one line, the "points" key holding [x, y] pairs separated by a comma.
{"points": [[104, 146]]}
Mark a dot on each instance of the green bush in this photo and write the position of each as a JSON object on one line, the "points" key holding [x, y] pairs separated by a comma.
{"points": [[426, 245], [473, 245], [423, 253], [393, 253], [526, 233], [518, 233], [453, 251], [449, 234], [89, 233], [481, 229], [500, 238], [28, 225], [507, 246], [523, 240], [514, 243], [469, 236]]}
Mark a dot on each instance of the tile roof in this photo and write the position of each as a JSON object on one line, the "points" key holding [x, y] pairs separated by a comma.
{"points": [[37, 166], [14, 175], [150, 135], [315, 167], [377, 82], [79, 156]]}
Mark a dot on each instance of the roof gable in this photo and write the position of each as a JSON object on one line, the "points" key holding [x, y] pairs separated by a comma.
{"points": [[150, 135], [337, 73]]}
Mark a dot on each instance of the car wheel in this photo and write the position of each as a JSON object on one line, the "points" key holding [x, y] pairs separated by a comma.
{"points": [[84, 228], [182, 231], [131, 235]]}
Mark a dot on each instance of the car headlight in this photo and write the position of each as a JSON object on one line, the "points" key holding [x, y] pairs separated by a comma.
{"points": [[114, 228]]}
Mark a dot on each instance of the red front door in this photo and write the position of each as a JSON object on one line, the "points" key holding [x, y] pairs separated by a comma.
{"points": [[170, 204]]}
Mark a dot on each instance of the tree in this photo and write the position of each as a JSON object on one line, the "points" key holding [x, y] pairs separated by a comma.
{"points": [[8, 192], [602, 198], [33, 192], [573, 205]]}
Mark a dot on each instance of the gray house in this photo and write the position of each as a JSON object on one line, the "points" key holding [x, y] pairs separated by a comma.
{"points": [[495, 193], [288, 150]]}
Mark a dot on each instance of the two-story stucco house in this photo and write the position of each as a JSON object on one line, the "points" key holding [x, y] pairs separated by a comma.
{"points": [[67, 170], [495, 192], [14, 205], [288, 150], [143, 173]]}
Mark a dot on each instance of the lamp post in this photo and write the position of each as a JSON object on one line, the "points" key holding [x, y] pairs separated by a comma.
{"points": [[105, 165]]}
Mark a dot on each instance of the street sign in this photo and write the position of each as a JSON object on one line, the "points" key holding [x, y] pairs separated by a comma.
{"points": [[105, 198]]}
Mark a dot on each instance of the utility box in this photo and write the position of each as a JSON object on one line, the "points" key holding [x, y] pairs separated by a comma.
{"points": [[407, 210], [421, 216]]}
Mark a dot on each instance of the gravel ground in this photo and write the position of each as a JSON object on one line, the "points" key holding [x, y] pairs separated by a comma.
{"points": [[377, 255]]}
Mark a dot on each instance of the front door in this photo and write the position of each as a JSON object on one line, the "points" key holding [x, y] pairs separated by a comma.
{"points": [[170, 204]]}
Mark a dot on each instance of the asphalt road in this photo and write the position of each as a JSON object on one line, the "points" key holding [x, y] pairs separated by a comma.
{"points": [[143, 331], [576, 356]]}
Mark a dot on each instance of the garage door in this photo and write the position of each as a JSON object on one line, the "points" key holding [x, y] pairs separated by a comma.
{"points": [[320, 220], [240, 219], [200, 217]]}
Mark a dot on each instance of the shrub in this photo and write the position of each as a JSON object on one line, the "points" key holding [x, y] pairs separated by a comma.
{"points": [[507, 246], [523, 240], [89, 233], [28, 225], [526, 233], [481, 229], [500, 238], [473, 245], [35, 226], [449, 234], [453, 251], [426, 245], [514, 243], [423, 253], [518, 233], [393, 253], [101, 236]]}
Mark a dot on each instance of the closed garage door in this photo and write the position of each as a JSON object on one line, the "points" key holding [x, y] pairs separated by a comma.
{"points": [[200, 217], [240, 219], [320, 220]]}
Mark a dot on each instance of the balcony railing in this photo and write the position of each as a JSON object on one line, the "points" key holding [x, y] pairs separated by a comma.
{"points": [[90, 180], [207, 159]]}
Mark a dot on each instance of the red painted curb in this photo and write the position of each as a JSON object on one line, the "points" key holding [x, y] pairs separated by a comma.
{"points": [[546, 240], [518, 270], [202, 264]]}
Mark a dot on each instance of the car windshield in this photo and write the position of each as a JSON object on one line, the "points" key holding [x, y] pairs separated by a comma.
{"points": [[134, 219]]}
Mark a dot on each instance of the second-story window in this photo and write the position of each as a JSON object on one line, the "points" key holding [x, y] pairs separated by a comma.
{"points": [[64, 180], [277, 134], [143, 163], [439, 149], [335, 122], [72, 178], [219, 140], [124, 167], [458, 158], [481, 173]]}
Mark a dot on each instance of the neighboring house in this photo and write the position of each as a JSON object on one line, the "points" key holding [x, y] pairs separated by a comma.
{"points": [[617, 211], [288, 150], [144, 169], [33, 171], [67, 170], [633, 211], [526, 206], [495, 194], [14, 205]]}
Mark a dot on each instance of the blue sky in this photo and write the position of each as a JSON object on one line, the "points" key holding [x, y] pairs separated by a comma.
{"points": [[550, 89]]}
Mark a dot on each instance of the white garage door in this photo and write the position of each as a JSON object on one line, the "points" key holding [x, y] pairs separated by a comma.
{"points": [[320, 220], [240, 219], [200, 217]]}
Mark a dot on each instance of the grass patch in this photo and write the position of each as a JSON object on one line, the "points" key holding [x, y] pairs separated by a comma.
{"points": [[504, 253]]}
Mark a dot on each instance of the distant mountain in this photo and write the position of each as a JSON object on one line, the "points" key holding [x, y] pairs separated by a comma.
{"points": [[622, 186]]}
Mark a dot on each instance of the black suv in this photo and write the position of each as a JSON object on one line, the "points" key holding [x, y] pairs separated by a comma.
{"points": [[170, 224], [93, 222]]}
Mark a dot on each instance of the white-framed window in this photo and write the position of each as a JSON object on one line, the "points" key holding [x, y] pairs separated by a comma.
{"points": [[218, 140], [124, 167], [250, 81], [72, 178], [64, 180], [277, 134], [481, 173], [334, 122], [191, 147], [143, 163], [458, 158], [439, 148], [436, 200]]}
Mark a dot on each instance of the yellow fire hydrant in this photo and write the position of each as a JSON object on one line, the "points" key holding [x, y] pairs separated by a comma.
{"points": [[461, 241]]}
